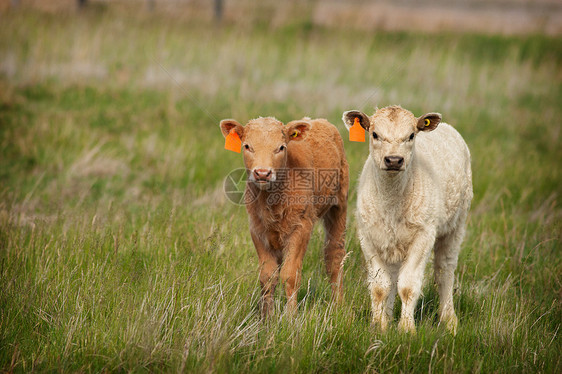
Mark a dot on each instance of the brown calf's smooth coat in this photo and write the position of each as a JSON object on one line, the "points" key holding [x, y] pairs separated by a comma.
{"points": [[298, 173]]}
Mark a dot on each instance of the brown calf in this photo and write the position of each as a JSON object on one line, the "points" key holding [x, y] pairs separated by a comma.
{"points": [[297, 173]]}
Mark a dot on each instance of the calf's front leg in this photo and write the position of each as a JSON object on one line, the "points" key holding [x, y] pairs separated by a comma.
{"points": [[269, 275], [382, 286], [410, 278], [292, 265]]}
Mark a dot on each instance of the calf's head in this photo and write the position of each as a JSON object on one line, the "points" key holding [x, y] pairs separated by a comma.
{"points": [[264, 145], [392, 133]]}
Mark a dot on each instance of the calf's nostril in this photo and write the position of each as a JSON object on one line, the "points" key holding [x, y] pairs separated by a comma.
{"points": [[262, 174], [393, 162]]}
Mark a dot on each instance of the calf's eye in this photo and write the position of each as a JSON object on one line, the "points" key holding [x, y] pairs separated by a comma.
{"points": [[246, 146], [282, 148], [412, 136], [375, 136]]}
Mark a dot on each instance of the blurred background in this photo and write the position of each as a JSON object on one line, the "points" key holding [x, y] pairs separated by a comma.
{"points": [[492, 16]]}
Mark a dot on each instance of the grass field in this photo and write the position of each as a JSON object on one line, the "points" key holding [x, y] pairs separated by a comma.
{"points": [[120, 252]]}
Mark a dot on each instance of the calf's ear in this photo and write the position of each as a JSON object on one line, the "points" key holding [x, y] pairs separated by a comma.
{"points": [[429, 121], [296, 130], [228, 124], [349, 119]]}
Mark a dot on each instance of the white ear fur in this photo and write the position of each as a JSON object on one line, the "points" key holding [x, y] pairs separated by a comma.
{"points": [[349, 116]]}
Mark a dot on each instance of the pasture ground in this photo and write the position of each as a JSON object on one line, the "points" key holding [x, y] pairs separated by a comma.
{"points": [[119, 251]]}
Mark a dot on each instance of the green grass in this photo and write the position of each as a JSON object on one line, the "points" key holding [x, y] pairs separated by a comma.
{"points": [[119, 251]]}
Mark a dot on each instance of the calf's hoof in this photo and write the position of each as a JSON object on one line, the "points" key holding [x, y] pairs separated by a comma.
{"points": [[380, 322], [451, 322], [266, 309], [407, 325], [291, 308]]}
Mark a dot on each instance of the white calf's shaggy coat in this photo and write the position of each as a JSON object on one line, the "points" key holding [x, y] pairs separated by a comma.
{"points": [[414, 195]]}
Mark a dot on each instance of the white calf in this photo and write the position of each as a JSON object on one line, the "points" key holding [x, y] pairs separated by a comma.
{"points": [[414, 195]]}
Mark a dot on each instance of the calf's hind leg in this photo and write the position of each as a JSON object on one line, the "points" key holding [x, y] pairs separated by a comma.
{"points": [[445, 261], [334, 248]]}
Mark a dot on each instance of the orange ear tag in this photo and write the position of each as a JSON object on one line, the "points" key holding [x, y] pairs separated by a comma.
{"points": [[233, 142], [356, 132]]}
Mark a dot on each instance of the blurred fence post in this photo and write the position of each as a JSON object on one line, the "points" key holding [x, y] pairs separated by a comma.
{"points": [[81, 3], [150, 4], [218, 10], [15, 3]]}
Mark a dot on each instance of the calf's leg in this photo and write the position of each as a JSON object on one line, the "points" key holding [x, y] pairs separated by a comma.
{"points": [[410, 279], [381, 286], [445, 262], [334, 249], [269, 275], [292, 265]]}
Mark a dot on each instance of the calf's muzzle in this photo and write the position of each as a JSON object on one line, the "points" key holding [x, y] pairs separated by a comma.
{"points": [[393, 162], [262, 175]]}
